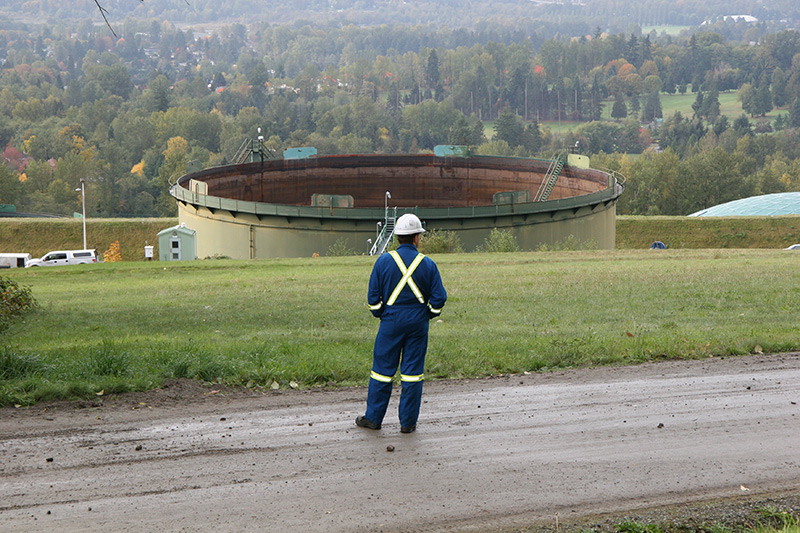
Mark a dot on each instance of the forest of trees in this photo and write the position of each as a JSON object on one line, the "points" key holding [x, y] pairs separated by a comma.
{"points": [[132, 111]]}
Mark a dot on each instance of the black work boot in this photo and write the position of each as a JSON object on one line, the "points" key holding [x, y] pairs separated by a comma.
{"points": [[363, 422]]}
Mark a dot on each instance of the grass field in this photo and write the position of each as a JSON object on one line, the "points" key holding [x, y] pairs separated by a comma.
{"points": [[669, 29], [670, 104], [301, 323]]}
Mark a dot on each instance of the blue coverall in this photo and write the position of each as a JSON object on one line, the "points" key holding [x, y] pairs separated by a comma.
{"points": [[403, 334]]}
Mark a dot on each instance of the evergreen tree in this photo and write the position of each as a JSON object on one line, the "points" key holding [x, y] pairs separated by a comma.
{"points": [[393, 102], [779, 83], [516, 88], [218, 81], [257, 79], [414, 96], [596, 99], [669, 83], [619, 110], [632, 52], [711, 105], [635, 103], [439, 93], [697, 83], [697, 106], [158, 94], [742, 125], [763, 97], [432, 70], [463, 132], [721, 124], [646, 50], [794, 114], [532, 137], [508, 127], [652, 107]]}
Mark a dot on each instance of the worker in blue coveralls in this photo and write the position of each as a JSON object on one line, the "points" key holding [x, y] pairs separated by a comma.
{"points": [[405, 292]]}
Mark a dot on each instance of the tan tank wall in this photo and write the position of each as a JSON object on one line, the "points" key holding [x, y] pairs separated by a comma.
{"points": [[597, 225], [244, 236]]}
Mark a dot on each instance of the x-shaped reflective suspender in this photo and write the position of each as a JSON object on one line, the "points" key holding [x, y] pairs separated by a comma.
{"points": [[406, 279]]}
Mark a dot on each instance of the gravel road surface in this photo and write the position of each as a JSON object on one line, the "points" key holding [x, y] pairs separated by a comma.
{"points": [[502, 453]]}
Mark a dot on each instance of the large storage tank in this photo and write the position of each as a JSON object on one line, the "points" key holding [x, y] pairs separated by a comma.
{"points": [[295, 207]]}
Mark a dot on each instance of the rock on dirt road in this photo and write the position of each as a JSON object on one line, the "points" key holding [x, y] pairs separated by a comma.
{"points": [[490, 454]]}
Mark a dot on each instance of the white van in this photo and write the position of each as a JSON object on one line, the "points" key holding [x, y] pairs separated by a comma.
{"points": [[14, 260], [65, 257]]}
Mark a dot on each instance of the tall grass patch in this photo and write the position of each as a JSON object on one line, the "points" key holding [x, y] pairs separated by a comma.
{"points": [[499, 240], [14, 366], [441, 242]]}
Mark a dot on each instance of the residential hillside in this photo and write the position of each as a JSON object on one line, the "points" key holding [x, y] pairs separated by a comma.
{"points": [[692, 118]]}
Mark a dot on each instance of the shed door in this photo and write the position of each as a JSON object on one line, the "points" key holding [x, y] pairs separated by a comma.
{"points": [[175, 249]]}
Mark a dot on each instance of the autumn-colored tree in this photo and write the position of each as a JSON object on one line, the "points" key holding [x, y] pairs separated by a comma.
{"points": [[175, 158]]}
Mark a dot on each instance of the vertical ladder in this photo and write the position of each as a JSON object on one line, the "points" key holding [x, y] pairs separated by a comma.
{"points": [[549, 181]]}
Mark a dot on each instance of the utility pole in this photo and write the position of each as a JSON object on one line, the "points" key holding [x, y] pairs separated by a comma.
{"points": [[83, 209]]}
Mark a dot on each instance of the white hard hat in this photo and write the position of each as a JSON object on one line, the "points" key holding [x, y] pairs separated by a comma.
{"points": [[408, 224]]}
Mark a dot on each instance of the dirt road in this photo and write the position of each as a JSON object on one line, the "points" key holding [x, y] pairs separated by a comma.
{"points": [[489, 454]]}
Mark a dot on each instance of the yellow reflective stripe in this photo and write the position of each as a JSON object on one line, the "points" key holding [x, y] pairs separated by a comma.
{"points": [[435, 311], [411, 379], [406, 279], [376, 306], [380, 377]]}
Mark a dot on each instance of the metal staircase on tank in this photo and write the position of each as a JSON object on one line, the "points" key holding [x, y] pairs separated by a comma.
{"points": [[252, 151], [386, 233], [549, 181]]}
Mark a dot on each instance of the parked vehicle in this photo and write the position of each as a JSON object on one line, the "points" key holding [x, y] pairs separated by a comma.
{"points": [[65, 257], [14, 260], [793, 247]]}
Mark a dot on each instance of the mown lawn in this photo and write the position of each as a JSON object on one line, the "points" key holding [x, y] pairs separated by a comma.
{"points": [[303, 322], [730, 106]]}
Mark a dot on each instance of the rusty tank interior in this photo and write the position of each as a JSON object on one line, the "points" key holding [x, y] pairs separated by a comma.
{"points": [[423, 180]]}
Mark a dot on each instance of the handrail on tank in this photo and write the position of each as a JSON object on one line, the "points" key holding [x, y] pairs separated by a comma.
{"points": [[617, 177], [614, 187], [266, 209]]}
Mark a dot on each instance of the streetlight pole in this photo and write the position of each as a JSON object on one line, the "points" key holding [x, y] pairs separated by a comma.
{"points": [[83, 209]]}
